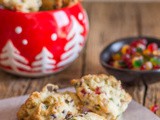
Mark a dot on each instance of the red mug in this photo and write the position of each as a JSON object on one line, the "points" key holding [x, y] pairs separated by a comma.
{"points": [[41, 43]]}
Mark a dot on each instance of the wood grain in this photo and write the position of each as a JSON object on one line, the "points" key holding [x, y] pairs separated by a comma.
{"points": [[151, 27], [14, 86]]}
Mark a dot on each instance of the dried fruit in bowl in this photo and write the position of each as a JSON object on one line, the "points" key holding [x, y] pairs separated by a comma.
{"points": [[138, 55], [23, 5]]}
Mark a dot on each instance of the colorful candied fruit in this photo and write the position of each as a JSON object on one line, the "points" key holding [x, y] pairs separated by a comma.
{"points": [[138, 55], [154, 108]]}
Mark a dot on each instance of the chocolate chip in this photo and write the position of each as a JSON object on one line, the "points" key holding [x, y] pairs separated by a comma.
{"points": [[81, 115], [97, 107], [54, 116], [85, 113], [66, 101], [68, 116], [80, 84], [63, 111], [86, 103], [51, 89]]}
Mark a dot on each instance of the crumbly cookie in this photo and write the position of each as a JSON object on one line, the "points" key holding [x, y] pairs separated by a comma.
{"points": [[23, 5], [48, 4], [57, 4], [103, 95], [49, 105], [69, 2], [87, 116]]}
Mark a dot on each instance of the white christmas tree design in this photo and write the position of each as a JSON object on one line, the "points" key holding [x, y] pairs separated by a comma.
{"points": [[44, 62], [73, 47], [10, 57]]}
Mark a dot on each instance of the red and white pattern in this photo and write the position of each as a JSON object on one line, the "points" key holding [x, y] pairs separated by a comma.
{"points": [[36, 44], [10, 57], [44, 62], [74, 45]]}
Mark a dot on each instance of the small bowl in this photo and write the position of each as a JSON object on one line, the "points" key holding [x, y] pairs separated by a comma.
{"points": [[40, 43], [127, 75]]}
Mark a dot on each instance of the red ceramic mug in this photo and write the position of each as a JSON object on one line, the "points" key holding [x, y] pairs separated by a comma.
{"points": [[40, 43]]}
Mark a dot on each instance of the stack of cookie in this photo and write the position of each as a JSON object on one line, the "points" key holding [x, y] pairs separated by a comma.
{"points": [[36, 5], [57, 4], [102, 97]]}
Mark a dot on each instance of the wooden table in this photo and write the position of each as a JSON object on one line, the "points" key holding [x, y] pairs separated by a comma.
{"points": [[108, 21]]}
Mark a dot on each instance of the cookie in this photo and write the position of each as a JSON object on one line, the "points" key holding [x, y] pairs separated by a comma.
{"points": [[48, 4], [103, 95], [87, 116], [57, 4], [49, 105], [69, 2], [23, 5]]}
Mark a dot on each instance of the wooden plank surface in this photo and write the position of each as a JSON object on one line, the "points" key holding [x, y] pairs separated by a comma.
{"points": [[14, 86], [150, 23], [108, 22]]}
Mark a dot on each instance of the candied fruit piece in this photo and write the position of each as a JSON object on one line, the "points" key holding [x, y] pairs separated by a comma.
{"points": [[139, 50], [148, 65], [152, 47], [154, 108], [156, 67], [83, 91], [131, 51], [134, 43], [141, 46], [137, 61], [124, 49], [138, 42], [116, 64], [156, 52], [97, 91], [126, 57], [116, 56], [143, 41], [146, 52], [155, 61], [143, 67], [129, 64]]}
